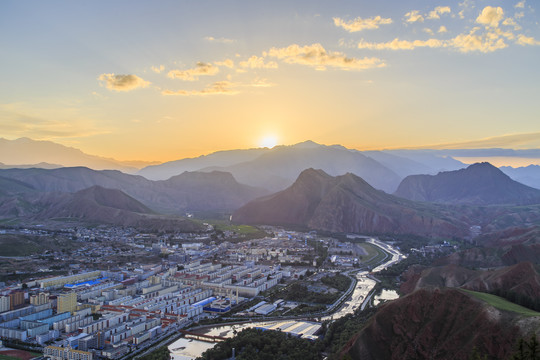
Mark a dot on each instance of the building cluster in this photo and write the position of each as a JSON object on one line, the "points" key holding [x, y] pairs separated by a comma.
{"points": [[108, 314]]}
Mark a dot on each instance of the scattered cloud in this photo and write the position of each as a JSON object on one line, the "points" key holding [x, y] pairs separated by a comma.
{"points": [[158, 69], [360, 24], [414, 16], [316, 56], [227, 63], [486, 42], [397, 44], [490, 16], [520, 5], [438, 11], [202, 69], [527, 40], [256, 62], [217, 88], [511, 22], [487, 38], [219, 40], [122, 82]]}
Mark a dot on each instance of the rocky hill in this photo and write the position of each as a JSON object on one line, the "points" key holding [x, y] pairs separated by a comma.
{"points": [[105, 206], [478, 184], [439, 324], [347, 203], [521, 279]]}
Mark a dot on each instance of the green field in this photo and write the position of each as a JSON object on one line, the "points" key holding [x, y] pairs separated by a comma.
{"points": [[375, 255], [501, 304]]}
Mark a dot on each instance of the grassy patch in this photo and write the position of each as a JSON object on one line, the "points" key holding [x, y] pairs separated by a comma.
{"points": [[375, 255], [12, 245], [501, 304], [8, 357]]}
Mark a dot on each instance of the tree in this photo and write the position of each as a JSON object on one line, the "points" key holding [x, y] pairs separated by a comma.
{"points": [[527, 350]]}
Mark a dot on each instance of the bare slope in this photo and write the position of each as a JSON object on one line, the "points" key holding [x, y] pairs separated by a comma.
{"points": [[347, 203], [478, 184]]}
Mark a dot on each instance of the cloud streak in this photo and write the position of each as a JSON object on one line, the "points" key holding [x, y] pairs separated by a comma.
{"points": [[201, 69], [256, 62], [122, 82], [219, 40], [318, 57], [360, 24]]}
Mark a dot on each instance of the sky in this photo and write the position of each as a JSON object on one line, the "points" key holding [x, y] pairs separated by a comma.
{"points": [[164, 80]]}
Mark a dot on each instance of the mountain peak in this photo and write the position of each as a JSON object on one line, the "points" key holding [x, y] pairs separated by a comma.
{"points": [[479, 184], [344, 203], [308, 144]]}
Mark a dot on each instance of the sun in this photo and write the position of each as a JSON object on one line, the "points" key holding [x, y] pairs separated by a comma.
{"points": [[268, 142]]}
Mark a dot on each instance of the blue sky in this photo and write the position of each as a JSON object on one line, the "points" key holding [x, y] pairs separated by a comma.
{"points": [[168, 79]]}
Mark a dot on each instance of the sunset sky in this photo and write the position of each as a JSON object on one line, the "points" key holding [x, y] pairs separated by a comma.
{"points": [[163, 80]]}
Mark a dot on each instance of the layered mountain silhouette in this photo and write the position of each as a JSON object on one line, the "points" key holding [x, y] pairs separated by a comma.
{"points": [[217, 159], [278, 168], [45, 153], [185, 192], [478, 184], [528, 175], [347, 203]]}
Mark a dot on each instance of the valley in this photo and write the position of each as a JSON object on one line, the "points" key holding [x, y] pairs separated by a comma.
{"points": [[203, 255]]}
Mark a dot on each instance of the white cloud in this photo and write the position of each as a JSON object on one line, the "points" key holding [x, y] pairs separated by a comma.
{"points": [[360, 24], [413, 16], [397, 44], [219, 40], [520, 5], [256, 62], [490, 16], [316, 56], [486, 42], [122, 82], [527, 40], [438, 11], [442, 29], [202, 69], [428, 31], [227, 63], [511, 22]]}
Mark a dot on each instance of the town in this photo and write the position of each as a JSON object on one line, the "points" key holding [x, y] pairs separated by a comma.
{"points": [[116, 292]]}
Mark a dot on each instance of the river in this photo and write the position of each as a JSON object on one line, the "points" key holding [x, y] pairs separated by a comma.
{"points": [[185, 349]]}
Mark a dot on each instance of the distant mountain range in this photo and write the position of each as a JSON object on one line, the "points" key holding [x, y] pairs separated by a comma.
{"points": [[25, 152], [347, 203], [478, 184], [185, 192], [273, 169], [528, 175]]}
